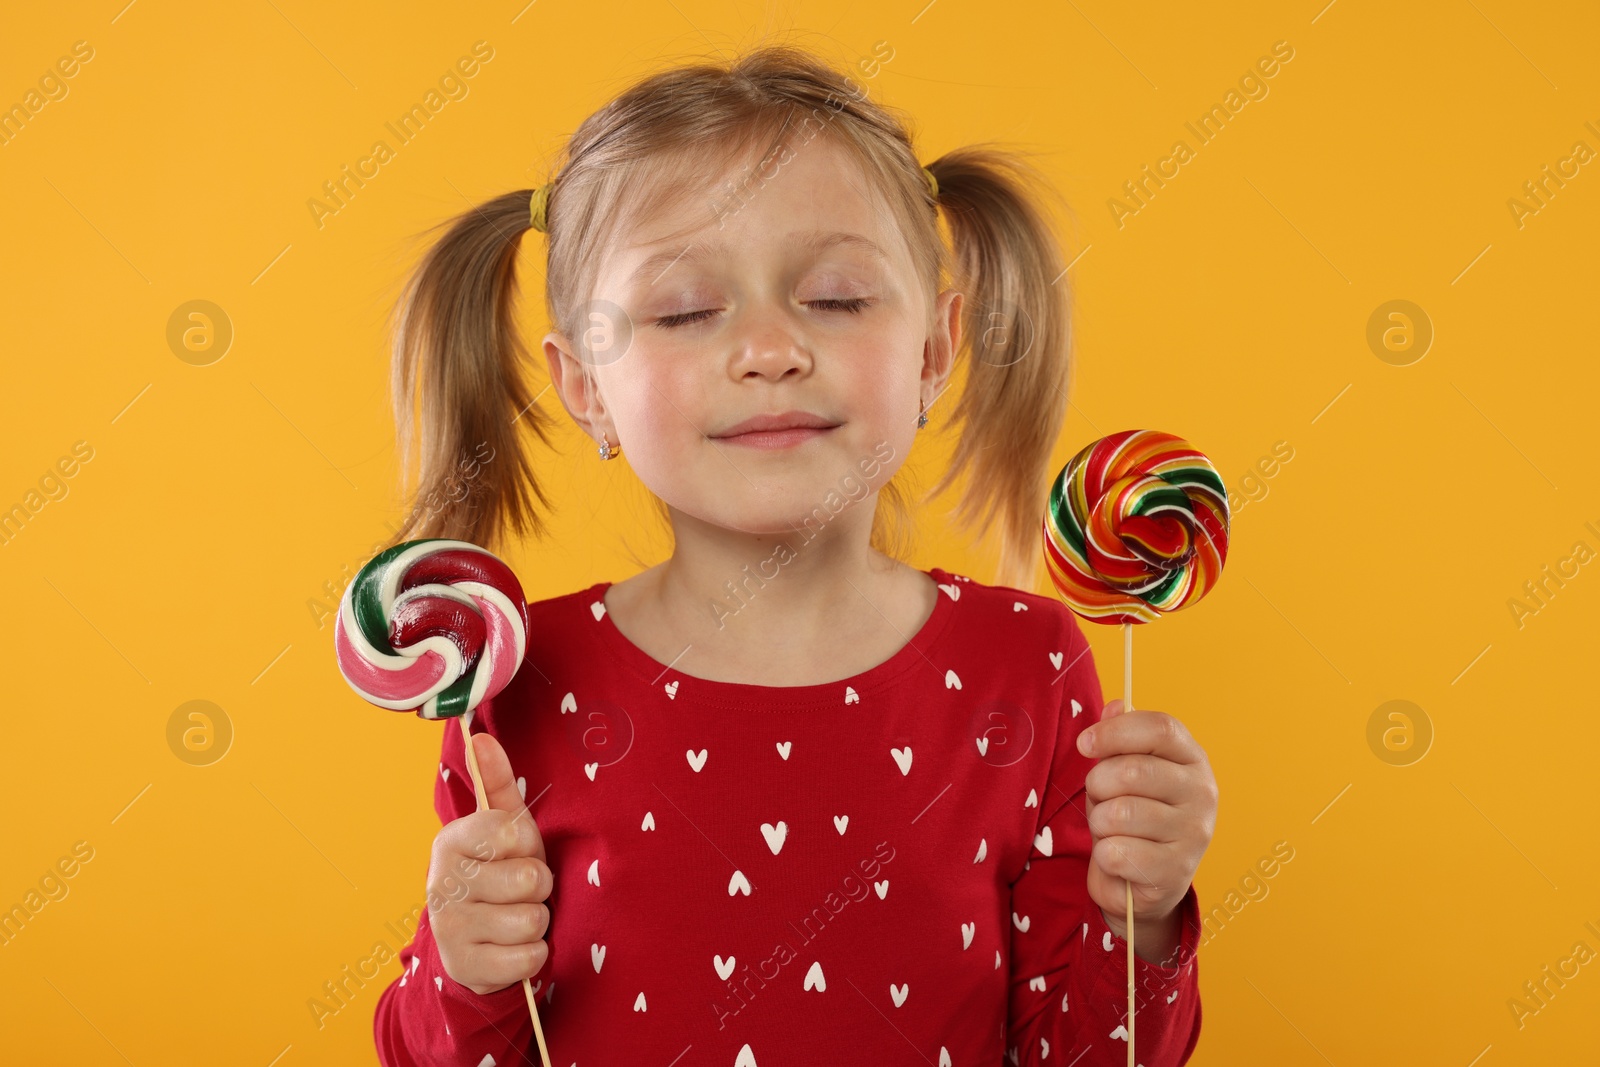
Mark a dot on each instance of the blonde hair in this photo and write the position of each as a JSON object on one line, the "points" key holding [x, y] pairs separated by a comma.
{"points": [[460, 365]]}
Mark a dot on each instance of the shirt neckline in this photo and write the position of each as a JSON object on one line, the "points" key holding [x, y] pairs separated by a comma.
{"points": [[749, 695]]}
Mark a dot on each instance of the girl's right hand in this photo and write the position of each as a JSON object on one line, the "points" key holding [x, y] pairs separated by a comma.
{"points": [[487, 883]]}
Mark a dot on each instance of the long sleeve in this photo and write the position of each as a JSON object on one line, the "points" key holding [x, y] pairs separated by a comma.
{"points": [[1068, 988], [425, 1017]]}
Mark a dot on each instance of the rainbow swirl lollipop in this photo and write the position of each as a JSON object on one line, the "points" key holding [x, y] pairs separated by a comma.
{"points": [[1137, 526], [436, 626]]}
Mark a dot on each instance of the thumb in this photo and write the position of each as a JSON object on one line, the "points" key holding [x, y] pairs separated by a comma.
{"points": [[1087, 737], [494, 767]]}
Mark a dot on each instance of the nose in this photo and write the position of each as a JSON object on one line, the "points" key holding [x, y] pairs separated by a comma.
{"points": [[767, 345]]}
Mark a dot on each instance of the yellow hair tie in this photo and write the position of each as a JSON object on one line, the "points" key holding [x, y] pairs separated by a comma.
{"points": [[933, 183], [537, 204]]}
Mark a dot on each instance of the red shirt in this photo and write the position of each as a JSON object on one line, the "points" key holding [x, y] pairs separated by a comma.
{"points": [[889, 868]]}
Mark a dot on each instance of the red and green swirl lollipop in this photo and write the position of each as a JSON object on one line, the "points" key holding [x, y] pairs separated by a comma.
{"points": [[432, 626], [437, 627], [1137, 526]]}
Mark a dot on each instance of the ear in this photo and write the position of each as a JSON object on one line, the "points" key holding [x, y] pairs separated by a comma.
{"points": [[579, 392], [938, 355]]}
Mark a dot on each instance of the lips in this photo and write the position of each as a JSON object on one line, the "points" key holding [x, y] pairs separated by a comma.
{"points": [[788, 420]]}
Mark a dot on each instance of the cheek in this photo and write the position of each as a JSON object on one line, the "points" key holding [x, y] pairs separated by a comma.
{"points": [[655, 412], [881, 382], [647, 405], [881, 378]]}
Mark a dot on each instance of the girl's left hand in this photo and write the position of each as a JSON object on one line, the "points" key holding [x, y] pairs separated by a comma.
{"points": [[1152, 807]]}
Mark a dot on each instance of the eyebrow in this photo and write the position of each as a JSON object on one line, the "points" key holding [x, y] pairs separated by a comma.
{"points": [[810, 240]]}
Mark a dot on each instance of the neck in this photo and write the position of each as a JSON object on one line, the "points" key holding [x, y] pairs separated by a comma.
{"points": [[777, 604]]}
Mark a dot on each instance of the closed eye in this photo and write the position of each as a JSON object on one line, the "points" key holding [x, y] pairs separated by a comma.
{"points": [[682, 319], [853, 306]]}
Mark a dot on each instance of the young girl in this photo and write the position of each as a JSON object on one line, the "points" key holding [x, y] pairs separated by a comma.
{"points": [[783, 799]]}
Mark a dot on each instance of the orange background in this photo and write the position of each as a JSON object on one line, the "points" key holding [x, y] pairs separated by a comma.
{"points": [[1376, 564]]}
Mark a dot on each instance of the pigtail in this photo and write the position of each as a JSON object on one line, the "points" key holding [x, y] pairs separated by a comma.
{"points": [[459, 384], [1014, 324]]}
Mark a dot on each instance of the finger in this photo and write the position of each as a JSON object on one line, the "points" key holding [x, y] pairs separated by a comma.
{"points": [[1136, 817], [1138, 775], [1110, 892], [503, 965], [519, 880], [488, 835], [1152, 732], [1131, 859], [499, 784], [507, 924]]}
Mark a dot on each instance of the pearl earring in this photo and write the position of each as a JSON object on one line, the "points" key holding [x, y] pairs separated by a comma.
{"points": [[606, 451], [922, 415]]}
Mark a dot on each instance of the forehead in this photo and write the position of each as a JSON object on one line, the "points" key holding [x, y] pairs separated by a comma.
{"points": [[789, 201], [700, 249]]}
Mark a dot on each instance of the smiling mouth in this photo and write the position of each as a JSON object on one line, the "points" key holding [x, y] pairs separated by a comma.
{"points": [[777, 439]]}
